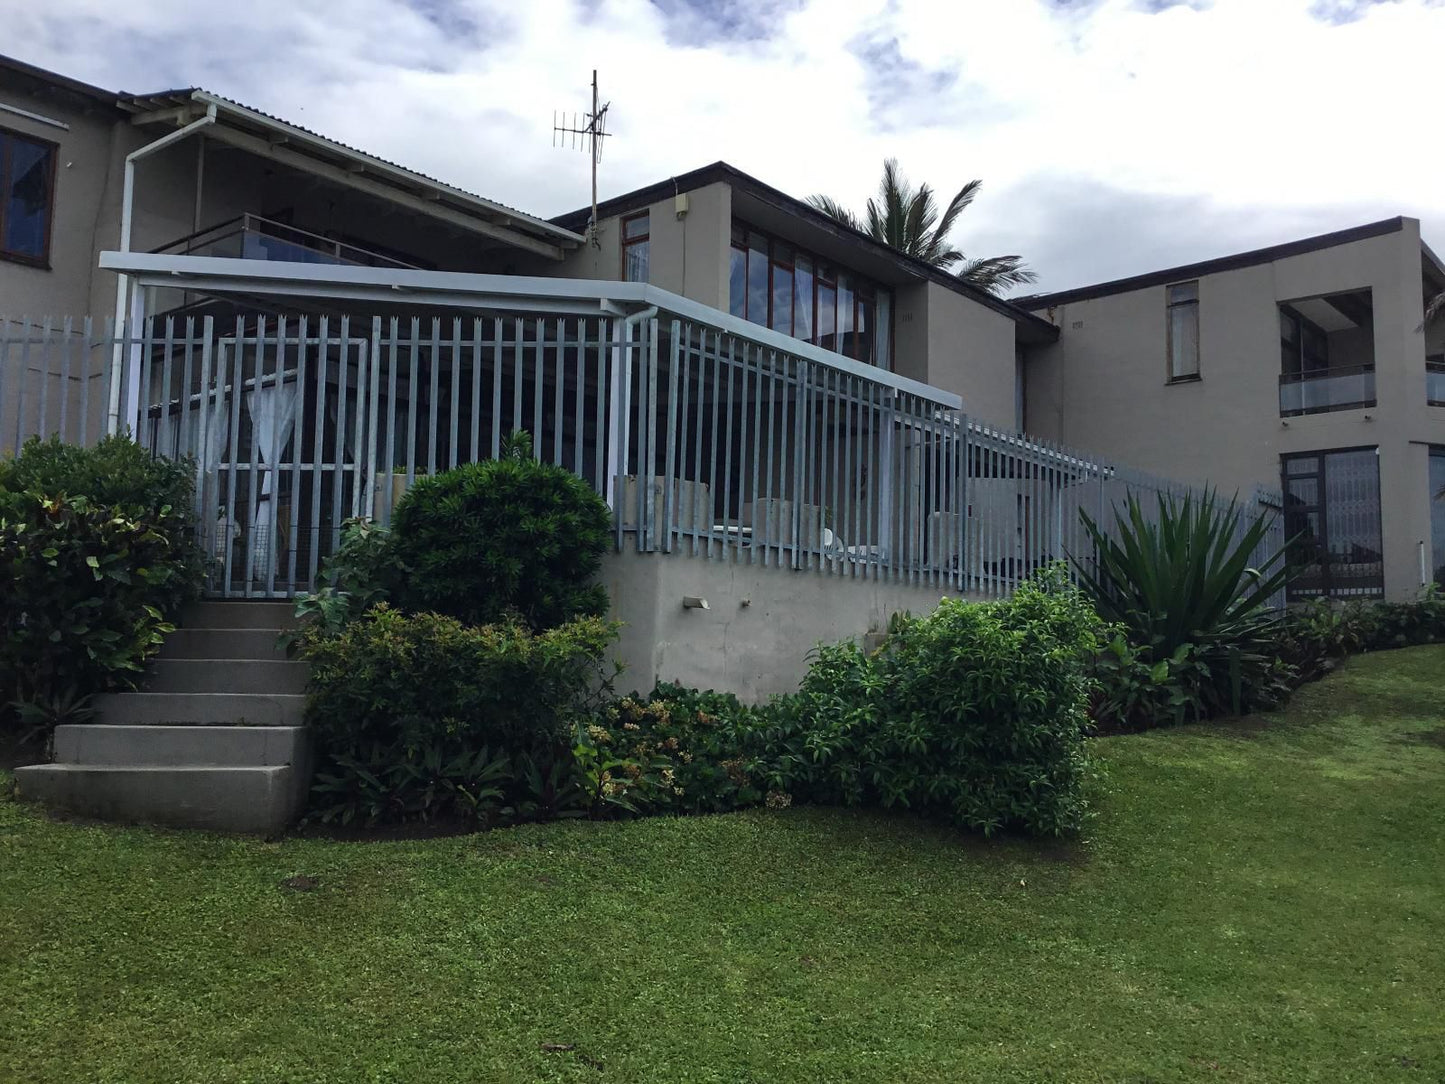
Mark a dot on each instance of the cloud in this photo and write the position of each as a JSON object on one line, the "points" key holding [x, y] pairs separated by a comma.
{"points": [[1113, 135]]}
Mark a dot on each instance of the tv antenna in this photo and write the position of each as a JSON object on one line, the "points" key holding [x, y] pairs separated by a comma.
{"points": [[586, 133]]}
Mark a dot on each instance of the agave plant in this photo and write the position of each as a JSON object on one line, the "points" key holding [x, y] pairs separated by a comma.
{"points": [[1182, 586]]}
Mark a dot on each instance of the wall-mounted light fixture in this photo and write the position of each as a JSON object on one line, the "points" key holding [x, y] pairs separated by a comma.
{"points": [[692, 602]]}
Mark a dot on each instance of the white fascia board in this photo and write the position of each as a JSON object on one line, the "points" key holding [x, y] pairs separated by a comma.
{"points": [[497, 291]]}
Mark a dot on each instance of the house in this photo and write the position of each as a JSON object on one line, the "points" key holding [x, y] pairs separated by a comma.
{"points": [[806, 429], [1304, 366]]}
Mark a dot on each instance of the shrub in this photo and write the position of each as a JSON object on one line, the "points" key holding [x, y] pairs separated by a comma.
{"points": [[354, 578], [420, 716], [118, 474], [82, 590], [975, 714], [1194, 612], [508, 535], [678, 750]]}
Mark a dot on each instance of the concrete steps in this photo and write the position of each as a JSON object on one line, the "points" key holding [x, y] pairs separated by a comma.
{"points": [[226, 675], [214, 740], [201, 709], [260, 800]]}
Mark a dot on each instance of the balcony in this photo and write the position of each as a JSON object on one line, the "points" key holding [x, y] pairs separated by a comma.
{"points": [[251, 237], [1343, 387], [1435, 383]]}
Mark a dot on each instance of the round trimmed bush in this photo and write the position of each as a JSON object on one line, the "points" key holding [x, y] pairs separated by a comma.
{"points": [[510, 535]]}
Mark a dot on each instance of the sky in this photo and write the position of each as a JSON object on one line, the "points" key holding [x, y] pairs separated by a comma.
{"points": [[1113, 137]]}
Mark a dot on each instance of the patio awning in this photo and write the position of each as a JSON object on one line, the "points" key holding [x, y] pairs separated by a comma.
{"points": [[288, 144]]}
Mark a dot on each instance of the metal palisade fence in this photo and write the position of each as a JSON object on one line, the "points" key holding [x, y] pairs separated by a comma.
{"points": [[704, 440]]}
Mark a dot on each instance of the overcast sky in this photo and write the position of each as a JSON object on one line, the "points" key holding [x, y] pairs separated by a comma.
{"points": [[1113, 136]]}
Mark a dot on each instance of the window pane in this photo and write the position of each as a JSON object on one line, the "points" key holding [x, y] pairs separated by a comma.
{"points": [[845, 343], [1436, 497], [863, 329], [1302, 464], [1184, 291], [634, 227], [803, 298], [1184, 341], [27, 199], [634, 261], [882, 325], [827, 316], [782, 318], [1352, 523], [758, 279], [738, 282]]}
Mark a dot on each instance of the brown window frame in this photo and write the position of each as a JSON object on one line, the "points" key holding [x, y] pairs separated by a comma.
{"points": [[52, 152], [625, 242], [1169, 307], [825, 272]]}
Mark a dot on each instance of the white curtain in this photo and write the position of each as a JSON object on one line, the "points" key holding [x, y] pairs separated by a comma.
{"points": [[213, 514], [273, 417]]}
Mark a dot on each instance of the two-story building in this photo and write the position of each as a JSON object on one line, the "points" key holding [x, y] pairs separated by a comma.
{"points": [[1304, 365]]}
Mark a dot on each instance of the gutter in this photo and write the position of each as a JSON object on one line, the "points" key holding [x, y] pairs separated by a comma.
{"points": [[127, 208]]}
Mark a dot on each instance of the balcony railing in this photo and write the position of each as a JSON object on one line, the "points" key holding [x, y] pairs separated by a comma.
{"points": [[251, 237], [1343, 387], [1435, 383]]}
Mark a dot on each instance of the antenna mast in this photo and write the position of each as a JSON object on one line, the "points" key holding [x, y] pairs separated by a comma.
{"points": [[592, 130]]}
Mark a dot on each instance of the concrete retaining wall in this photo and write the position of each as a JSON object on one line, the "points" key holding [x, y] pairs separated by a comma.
{"points": [[760, 624]]}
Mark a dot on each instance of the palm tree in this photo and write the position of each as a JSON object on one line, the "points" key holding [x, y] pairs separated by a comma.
{"points": [[907, 219]]}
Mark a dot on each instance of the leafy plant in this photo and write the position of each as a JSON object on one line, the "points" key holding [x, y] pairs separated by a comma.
{"points": [[507, 535], [398, 702], [975, 714], [1181, 586], [354, 578], [80, 588]]}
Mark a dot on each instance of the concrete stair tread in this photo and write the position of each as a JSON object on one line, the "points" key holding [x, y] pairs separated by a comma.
{"points": [[226, 675], [138, 745], [201, 709], [257, 799]]}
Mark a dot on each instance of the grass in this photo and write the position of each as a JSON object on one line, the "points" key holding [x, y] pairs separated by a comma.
{"points": [[1259, 900]]}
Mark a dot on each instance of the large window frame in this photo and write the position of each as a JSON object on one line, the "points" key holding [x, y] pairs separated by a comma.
{"points": [[1310, 489], [1436, 496], [8, 139], [841, 311], [1308, 383], [636, 246], [1181, 304]]}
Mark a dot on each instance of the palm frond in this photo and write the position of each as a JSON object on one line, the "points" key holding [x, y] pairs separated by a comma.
{"points": [[995, 273], [956, 207], [834, 210], [1435, 306]]}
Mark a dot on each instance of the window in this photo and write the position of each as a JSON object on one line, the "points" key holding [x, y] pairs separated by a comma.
{"points": [[1435, 379], [1304, 347], [1332, 513], [1183, 319], [781, 287], [635, 248], [1436, 497], [27, 195]]}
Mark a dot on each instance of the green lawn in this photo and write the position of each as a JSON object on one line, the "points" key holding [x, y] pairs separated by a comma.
{"points": [[1260, 900]]}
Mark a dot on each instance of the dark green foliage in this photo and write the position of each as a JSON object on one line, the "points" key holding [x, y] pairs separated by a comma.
{"points": [[508, 535], [677, 750], [118, 474], [80, 587], [96, 555], [975, 714], [1195, 614], [354, 577], [413, 714]]}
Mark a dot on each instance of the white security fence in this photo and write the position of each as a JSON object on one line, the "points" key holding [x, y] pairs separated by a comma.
{"points": [[702, 438]]}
